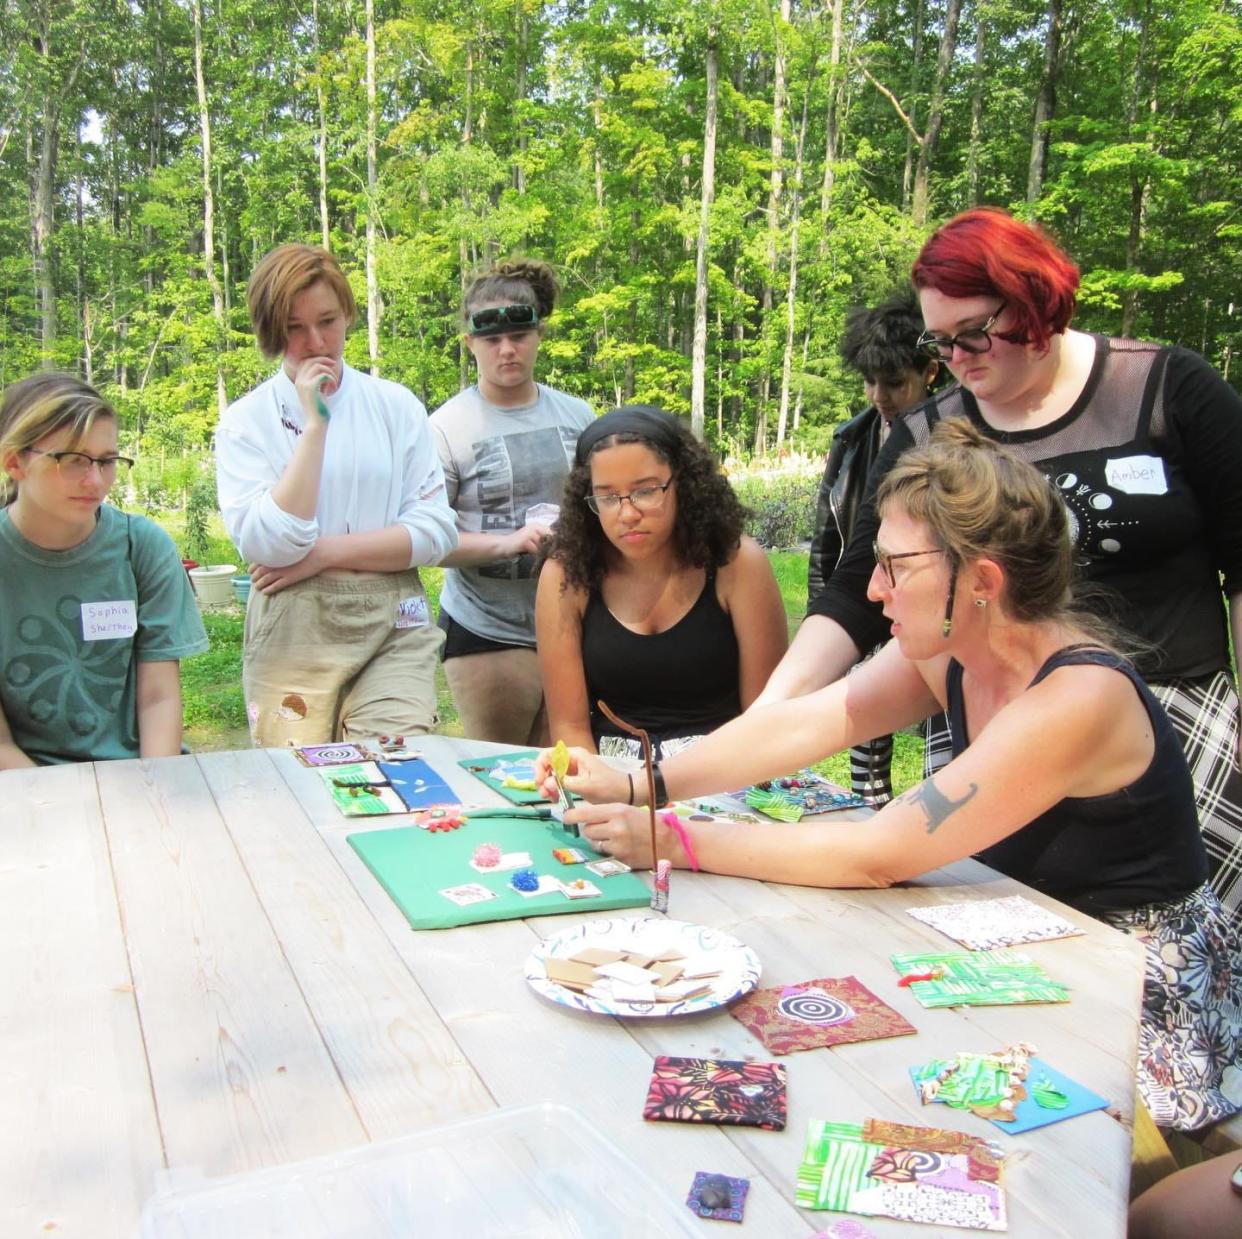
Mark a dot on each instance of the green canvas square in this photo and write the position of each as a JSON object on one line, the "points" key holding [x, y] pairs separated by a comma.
{"points": [[485, 769], [415, 865]]}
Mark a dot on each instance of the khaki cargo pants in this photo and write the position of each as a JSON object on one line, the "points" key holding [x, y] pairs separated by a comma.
{"points": [[324, 660]]}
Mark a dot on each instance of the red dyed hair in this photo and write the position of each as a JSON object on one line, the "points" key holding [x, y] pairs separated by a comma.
{"points": [[986, 252]]}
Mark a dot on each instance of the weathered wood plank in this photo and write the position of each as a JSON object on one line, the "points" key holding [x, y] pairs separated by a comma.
{"points": [[240, 1071], [402, 1068], [80, 1144]]}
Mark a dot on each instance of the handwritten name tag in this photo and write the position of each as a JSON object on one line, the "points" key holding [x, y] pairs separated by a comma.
{"points": [[413, 612], [109, 621], [1137, 475]]}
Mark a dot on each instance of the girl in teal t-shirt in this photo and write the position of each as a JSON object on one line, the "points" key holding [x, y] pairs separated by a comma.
{"points": [[97, 609]]}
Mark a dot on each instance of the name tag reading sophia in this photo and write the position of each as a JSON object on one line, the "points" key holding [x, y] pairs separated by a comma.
{"points": [[109, 621]]}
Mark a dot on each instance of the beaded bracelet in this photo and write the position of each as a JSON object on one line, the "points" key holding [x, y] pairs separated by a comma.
{"points": [[678, 827]]}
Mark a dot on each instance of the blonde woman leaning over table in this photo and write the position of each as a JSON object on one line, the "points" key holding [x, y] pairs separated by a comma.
{"points": [[974, 569], [506, 444], [652, 598], [96, 612], [331, 488], [1144, 444]]}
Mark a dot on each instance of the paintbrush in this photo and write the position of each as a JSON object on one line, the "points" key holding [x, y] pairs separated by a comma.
{"points": [[659, 896]]}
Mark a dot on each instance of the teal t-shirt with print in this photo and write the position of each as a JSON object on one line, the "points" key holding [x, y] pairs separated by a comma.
{"points": [[75, 624]]}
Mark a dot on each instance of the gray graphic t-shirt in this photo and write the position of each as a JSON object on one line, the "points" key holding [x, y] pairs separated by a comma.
{"points": [[497, 464]]}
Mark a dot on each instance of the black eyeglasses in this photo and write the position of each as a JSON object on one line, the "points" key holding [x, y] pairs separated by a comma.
{"points": [[975, 340], [645, 499], [885, 560], [77, 465], [503, 318]]}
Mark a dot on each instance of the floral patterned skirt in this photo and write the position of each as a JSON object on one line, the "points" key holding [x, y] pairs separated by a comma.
{"points": [[1190, 1037]]}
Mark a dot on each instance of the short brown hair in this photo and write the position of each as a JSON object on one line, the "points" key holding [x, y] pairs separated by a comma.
{"points": [[279, 278]]}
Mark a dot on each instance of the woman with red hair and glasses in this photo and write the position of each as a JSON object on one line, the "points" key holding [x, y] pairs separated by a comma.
{"points": [[1144, 444]]}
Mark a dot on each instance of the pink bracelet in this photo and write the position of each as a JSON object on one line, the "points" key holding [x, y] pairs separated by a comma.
{"points": [[675, 824]]}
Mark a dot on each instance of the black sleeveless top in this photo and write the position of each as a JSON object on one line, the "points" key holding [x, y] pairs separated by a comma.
{"points": [[680, 682], [1131, 847]]}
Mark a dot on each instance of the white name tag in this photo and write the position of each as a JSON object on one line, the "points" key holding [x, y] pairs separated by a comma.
{"points": [[1137, 475], [412, 612], [109, 621]]}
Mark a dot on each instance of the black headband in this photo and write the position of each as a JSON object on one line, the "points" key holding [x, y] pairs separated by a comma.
{"points": [[643, 420]]}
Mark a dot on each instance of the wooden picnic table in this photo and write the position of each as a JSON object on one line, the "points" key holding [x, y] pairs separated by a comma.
{"points": [[198, 971]]}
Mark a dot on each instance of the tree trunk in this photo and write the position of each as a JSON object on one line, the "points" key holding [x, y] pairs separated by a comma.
{"points": [[209, 208], [707, 192], [597, 158], [374, 307], [916, 81], [325, 235], [806, 352], [782, 420], [1143, 73], [43, 190], [976, 106], [1045, 105], [776, 186], [832, 121], [463, 253], [935, 114], [735, 353], [519, 164]]}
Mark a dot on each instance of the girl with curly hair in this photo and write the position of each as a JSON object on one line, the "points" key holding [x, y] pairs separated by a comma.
{"points": [[652, 599], [506, 444]]}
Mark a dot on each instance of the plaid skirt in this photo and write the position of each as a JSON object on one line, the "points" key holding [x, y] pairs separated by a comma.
{"points": [[1190, 1035], [1204, 713]]}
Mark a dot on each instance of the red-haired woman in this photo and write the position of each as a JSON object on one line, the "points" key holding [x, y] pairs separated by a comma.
{"points": [[1144, 444]]}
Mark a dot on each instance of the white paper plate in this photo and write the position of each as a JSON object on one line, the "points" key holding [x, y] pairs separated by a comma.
{"points": [[739, 965]]}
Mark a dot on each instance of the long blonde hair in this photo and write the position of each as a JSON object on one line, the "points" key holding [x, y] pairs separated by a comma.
{"points": [[41, 405]]}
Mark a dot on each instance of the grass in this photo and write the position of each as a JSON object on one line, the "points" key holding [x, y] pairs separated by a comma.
{"points": [[215, 711]]}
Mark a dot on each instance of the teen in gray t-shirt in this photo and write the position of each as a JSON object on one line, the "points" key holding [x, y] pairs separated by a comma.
{"points": [[506, 446]]}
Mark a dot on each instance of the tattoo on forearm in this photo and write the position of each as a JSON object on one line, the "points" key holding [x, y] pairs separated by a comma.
{"points": [[935, 804]]}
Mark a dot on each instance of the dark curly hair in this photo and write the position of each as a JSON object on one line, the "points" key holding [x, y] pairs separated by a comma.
{"points": [[710, 517], [524, 281], [884, 341]]}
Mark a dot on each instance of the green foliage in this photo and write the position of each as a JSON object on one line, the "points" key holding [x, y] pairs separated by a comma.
{"points": [[573, 130], [782, 508], [198, 509]]}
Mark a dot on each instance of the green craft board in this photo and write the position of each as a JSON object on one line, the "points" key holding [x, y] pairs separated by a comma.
{"points": [[481, 767], [414, 865]]}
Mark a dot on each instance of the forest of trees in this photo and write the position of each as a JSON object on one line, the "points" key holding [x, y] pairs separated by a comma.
{"points": [[717, 182]]}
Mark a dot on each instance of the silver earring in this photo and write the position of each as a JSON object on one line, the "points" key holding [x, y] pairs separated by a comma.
{"points": [[981, 603]]}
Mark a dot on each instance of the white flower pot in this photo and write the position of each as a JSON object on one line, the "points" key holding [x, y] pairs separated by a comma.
{"points": [[213, 584]]}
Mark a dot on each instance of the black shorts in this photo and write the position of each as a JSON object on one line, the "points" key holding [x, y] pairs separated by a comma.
{"points": [[460, 640]]}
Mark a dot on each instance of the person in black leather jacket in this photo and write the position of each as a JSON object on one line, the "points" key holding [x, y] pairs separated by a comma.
{"points": [[882, 345]]}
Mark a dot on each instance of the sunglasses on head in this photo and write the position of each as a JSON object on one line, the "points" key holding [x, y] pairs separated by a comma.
{"points": [[503, 318]]}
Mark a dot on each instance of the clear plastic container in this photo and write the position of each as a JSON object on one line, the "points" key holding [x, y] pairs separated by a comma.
{"points": [[532, 1172]]}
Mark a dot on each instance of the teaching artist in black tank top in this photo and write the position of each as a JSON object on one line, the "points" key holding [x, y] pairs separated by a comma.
{"points": [[652, 598], [1066, 773]]}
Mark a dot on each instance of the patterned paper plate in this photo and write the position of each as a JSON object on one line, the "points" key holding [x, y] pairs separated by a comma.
{"points": [[739, 965]]}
